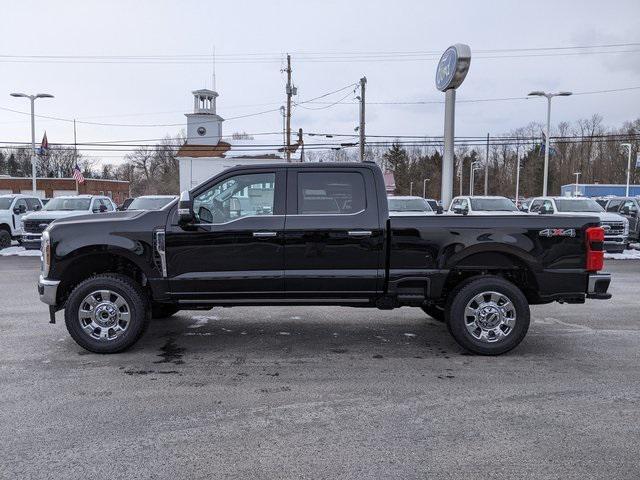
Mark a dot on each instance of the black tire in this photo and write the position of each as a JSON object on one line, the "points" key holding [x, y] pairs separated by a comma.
{"points": [[5, 239], [491, 345], [435, 312], [163, 310], [137, 306]]}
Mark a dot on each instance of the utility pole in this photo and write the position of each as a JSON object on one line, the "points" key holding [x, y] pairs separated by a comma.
{"points": [[471, 177], [75, 155], [577, 174], [283, 112], [424, 187], [486, 169], [363, 82], [517, 174], [301, 145], [289, 91]]}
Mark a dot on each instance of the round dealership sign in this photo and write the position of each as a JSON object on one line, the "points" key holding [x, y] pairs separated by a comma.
{"points": [[453, 67]]}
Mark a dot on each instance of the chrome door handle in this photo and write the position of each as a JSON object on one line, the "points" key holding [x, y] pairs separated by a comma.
{"points": [[265, 234], [360, 233]]}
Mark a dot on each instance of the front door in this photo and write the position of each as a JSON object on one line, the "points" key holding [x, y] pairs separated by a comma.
{"points": [[333, 236], [235, 248]]}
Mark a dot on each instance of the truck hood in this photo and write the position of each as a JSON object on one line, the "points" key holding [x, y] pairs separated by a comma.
{"points": [[98, 217], [54, 214], [603, 216]]}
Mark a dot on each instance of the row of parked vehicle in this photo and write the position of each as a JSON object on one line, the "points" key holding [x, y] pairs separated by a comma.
{"points": [[24, 217], [618, 215]]}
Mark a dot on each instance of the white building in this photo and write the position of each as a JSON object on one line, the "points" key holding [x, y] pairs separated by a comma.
{"points": [[206, 154]]}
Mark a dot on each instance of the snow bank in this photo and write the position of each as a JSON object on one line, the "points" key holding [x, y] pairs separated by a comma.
{"points": [[626, 255], [19, 252]]}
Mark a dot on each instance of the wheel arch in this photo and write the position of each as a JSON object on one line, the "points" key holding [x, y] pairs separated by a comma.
{"points": [[87, 262]]}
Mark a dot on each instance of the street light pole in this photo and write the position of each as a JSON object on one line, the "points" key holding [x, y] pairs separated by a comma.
{"points": [[548, 96], [517, 175], [411, 189], [471, 177], [628, 145], [577, 174], [33, 98], [424, 187]]}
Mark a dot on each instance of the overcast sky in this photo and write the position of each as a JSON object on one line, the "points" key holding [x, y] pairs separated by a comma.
{"points": [[132, 92]]}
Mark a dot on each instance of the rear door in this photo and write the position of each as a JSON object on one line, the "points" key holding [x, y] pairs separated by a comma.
{"points": [[333, 236]]}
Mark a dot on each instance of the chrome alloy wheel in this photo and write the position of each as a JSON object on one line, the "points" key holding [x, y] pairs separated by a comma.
{"points": [[104, 315], [490, 316]]}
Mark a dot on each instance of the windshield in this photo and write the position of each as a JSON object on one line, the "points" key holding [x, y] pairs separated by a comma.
{"points": [[493, 205], [578, 205], [149, 203], [68, 204], [5, 203], [409, 205]]}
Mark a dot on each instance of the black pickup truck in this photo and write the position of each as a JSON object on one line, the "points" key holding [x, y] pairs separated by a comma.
{"points": [[313, 234]]}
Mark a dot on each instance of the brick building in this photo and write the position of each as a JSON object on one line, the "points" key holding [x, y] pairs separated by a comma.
{"points": [[118, 190]]}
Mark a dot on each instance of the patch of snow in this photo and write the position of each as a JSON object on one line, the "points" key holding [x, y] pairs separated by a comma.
{"points": [[635, 246], [626, 255], [19, 252]]}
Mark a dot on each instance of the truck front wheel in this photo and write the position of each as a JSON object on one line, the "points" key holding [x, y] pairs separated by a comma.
{"points": [[107, 313], [488, 315], [5, 239]]}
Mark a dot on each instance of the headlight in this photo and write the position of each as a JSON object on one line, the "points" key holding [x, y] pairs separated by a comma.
{"points": [[626, 227], [45, 248]]}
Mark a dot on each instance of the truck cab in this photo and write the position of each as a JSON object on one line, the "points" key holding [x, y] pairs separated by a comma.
{"points": [[12, 210]]}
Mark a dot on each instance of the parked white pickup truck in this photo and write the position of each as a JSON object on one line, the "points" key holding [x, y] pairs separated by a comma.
{"points": [[61, 207], [12, 209], [616, 227]]}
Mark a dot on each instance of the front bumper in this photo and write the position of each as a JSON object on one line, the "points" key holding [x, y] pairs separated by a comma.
{"points": [[31, 241], [615, 244], [597, 286], [48, 290]]}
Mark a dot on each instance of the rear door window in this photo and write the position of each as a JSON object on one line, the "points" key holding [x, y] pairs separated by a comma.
{"points": [[331, 193]]}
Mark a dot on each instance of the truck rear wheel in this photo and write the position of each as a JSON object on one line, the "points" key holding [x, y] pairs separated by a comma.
{"points": [[488, 315], [107, 313]]}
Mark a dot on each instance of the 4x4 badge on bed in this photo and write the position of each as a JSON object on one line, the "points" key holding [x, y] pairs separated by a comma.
{"points": [[557, 232]]}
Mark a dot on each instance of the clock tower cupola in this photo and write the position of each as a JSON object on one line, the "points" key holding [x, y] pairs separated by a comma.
{"points": [[204, 125]]}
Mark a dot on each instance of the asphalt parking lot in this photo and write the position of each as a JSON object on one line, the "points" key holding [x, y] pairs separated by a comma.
{"points": [[321, 393]]}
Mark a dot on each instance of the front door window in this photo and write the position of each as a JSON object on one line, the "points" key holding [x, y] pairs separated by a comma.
{"points": [[236, 197]]}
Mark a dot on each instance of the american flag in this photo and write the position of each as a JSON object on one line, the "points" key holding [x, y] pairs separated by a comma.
{"points": [[77, 174]]}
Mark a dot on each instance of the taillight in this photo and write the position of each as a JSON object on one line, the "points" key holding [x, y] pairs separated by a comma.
{"points": [[595, 248]]}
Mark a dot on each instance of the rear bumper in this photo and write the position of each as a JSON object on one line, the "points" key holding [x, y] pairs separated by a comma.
{"points": [[48, 290], [597, 286]]}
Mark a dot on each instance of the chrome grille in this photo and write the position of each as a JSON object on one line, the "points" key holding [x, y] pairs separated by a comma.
{"points": [[36, 226], [613, 228]]}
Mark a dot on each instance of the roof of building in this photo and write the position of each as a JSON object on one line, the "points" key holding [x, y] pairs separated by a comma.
{"points": [[237, 148], [197, 151]]}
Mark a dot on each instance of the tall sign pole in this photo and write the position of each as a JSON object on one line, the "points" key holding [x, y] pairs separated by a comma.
{"points": [[452, 69]]}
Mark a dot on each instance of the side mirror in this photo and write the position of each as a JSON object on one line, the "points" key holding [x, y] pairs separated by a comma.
{"points": [[185, 209], [439, 210], [544, 210], [626, 211], [20, 210]]}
